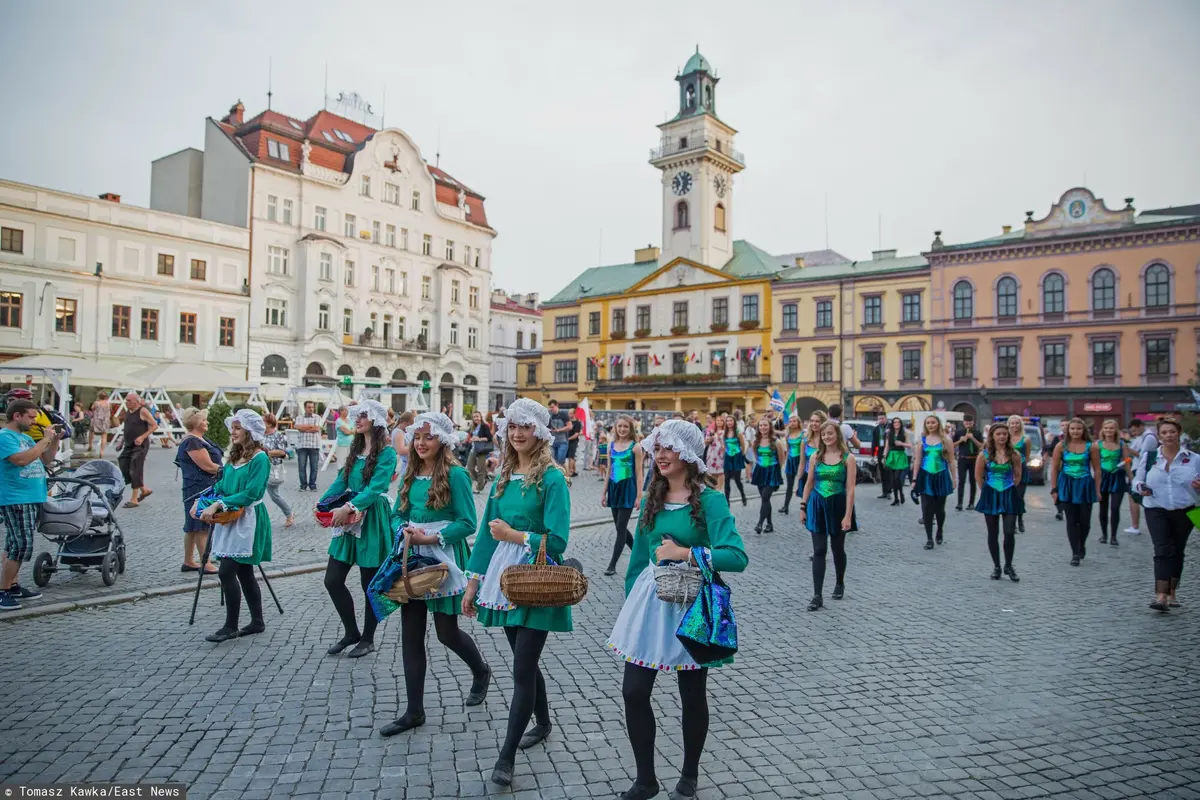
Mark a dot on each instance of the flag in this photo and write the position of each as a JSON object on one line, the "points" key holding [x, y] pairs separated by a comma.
{"points": [[583, 413], [655, 357], [789, 407], [776, 402], [716, 362]]}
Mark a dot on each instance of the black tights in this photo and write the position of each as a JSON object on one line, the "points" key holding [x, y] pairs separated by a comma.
{"points": [[624, 537], [336, 573], [1110, 512], [732, 478], [231, 573], [791, 485], [413, 615], [1010, 540], [529, 688], [838, 542], [639, 719], [932, 507], [1019, 489], [764, 510], [1079, 524], [897, 483]]}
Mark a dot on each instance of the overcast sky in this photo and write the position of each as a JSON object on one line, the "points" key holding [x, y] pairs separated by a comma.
{"points": [[929, 115]]}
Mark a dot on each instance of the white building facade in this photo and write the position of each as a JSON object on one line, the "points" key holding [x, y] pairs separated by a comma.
{"points": [[369, 267], [120, 287], [516, 325]]}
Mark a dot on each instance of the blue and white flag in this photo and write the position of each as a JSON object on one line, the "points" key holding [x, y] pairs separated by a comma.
{"points": [[777, 402]]}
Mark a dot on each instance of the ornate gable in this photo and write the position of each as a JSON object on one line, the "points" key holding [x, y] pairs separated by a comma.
{"points": [[1078, 211], [679, 272]]}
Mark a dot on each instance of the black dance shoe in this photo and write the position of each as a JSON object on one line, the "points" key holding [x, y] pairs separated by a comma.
{"points": [[758, 528], [684, 790], [929, 544], [405, 723], [939, 537], [479, 687], [970, 506], [896, 502], [816, 602], [1020, 524], [502, 773], [839, 591], [1104, 538], [535, 735], [1074, 561], [640, 791], [1058, 516], [342, 644], [1012, 574], [361, 649], [222, 635], [769, 527], [783, 510], [612, 570], [743, 501], [958, 508], [255, 626], [1112, 542], [996, 573]]}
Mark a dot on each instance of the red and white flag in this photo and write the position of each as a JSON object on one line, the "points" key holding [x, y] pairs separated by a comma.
{"points": [[583, 413]]}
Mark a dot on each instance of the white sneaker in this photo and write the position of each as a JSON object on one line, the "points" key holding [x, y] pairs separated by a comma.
{"points": [[1133, 531]]}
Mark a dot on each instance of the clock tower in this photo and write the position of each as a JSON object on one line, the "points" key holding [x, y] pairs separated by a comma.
{"points": [[698, 163]]}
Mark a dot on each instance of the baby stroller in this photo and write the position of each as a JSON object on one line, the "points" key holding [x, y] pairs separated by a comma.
{"points": [[78, 517]]}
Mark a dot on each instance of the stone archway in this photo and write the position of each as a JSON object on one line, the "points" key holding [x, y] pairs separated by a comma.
{"points": [[914, 402], [805, 406]]}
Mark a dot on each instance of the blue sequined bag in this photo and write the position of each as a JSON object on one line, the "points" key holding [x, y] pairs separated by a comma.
{"points": [[708, 631]]}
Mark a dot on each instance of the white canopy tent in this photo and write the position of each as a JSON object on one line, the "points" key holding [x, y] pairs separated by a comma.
{"points": [[170, 428], [82, 371], [252, 391], [414, 399], [181, 376], [294, 401], [57, 378]]}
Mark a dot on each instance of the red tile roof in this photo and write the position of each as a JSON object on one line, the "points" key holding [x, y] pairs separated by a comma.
{"points": [[331, 151], [509, 305]]}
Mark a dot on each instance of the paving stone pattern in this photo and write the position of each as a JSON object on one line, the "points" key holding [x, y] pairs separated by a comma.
{"points": [[928, 680]]}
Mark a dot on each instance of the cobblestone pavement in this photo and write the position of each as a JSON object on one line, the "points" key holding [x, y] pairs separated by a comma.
{"points": [[929, 679]]}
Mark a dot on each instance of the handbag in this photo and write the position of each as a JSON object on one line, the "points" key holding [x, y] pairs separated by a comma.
{"points": [[708, 630], [276, 478], [677, 582]]}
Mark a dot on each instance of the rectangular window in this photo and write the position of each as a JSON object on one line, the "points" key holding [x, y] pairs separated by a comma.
{"points": [[1104, 359], [592, 372], [348, 276], [277, 260], [427, 245], [10, 309], [416, 200], [391, 280], [791, 319], [347, 321], [272, 208], [790, 368], [750, 308], [641, 364], [748, 367], [225, 337], [404, 238], [873, 366], [720, 311], [453, 333], [376, 230], [364, 186], [276, 312], [424, 330], [717, 362], [910, 365], [566, 327], [618, 370], [187, 328], [199, 269], [1158, 357], [467, 254], [323, 317], [618, 320], [391, 236], [473, 297], [326, 266], [426, 287], [964, 363], [374, 279], [150, 324], [873, 310], [449, 250], [64, 315], [473, 338], [272, 148], [530, 374], [477, 258], [166, 264], [400, 327], [643, 318], [12, 240], [679, 315], [287, 212], [912, 307], [566, 371], [678, 363], [121, 316], [319, 218], [351, 227], [520, 340], [404, 282], [593, 323], [391, 194], [455, 296], [824, 367], [1054, 360], [1006, 361], [532, 341], [824, 314]]}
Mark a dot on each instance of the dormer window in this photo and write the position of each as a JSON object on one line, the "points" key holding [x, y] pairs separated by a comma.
{"points": [[277, 150]]}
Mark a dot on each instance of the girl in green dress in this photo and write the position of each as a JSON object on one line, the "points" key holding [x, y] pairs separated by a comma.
{"points": [[895, 460], [795, 439], [364, 543], [435, 513], [528, 501], [246, 542], [682, 519]]}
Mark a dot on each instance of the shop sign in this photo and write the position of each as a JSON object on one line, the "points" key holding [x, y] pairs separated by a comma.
{"points": [[1096, 408]]}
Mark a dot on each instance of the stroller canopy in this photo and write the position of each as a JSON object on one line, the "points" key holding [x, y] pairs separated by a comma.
{"points": [[104, 474]]}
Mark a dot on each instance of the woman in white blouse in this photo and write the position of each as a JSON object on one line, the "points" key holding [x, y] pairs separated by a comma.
{"points": [[1168, 479]]}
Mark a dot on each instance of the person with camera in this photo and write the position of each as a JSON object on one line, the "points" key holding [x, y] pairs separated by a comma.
{"points": [[22, 491]]}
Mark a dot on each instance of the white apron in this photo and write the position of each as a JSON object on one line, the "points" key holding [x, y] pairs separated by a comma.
{"points": [[236, 540], [456, 580], [505, 555]]}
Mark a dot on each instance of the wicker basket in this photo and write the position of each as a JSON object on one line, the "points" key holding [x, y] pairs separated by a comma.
{"points": [[228, 517], [419, 582], [677, 583], [541, 585]]}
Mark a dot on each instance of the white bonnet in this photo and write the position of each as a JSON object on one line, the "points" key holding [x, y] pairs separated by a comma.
{"points": [[439, 425], [371, 409], [524, 411], [681, 436], [251, 423]]}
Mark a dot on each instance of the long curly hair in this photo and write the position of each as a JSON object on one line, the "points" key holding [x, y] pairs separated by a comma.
{"points": [[840, 444], [439, 478], [378, 442], [895, 434], [657, 493], [247, 451], [993, 449], [542, 463], [752, 444]]}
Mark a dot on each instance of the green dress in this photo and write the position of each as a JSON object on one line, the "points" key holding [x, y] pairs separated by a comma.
{"points": [[243, 486], [538, 512], [459, 512], [373, 544]]}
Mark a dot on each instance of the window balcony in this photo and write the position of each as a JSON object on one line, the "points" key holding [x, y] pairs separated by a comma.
{"points": [[690, 144]]}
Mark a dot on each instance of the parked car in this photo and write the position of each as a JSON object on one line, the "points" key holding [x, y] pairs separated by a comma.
{"points": [[1037, 457], [868, 465]]}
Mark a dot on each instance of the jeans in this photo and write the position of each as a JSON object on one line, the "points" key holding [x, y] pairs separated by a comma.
{"points": [[477, 469], [559, 449], [277, 498], [306, 459]]}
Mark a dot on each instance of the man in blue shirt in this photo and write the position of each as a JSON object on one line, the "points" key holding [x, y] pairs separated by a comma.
{"points": [[22, 492]]}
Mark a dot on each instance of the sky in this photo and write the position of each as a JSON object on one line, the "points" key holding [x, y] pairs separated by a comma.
{"points": [[865, 125]]}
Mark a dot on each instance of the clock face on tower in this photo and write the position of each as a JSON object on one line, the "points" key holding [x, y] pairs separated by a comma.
{"points": [[719, 185], [682, 184]]}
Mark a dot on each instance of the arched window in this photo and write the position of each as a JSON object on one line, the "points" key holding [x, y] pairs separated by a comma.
{"points": [[708, 97], [424, 376], [446, 378], [1054, 296], [681, 215], [1006, 297], [1104, 290], [1158, 286], [345, 369], [274, 366], [314, 368], [471, 380], [399, 375], [373, 372], [719, 217], [691, 96], [964, 300]]}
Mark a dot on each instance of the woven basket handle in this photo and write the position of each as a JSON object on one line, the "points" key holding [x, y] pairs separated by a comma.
{"points": [[541, 553], [404, 571]]}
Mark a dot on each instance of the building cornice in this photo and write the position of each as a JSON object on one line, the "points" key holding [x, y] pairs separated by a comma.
{"points": [[1067, 245]]}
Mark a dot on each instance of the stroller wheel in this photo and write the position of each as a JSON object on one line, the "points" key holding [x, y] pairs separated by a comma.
{"points": [[108, 568], [121, 560], [42, 567]]}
